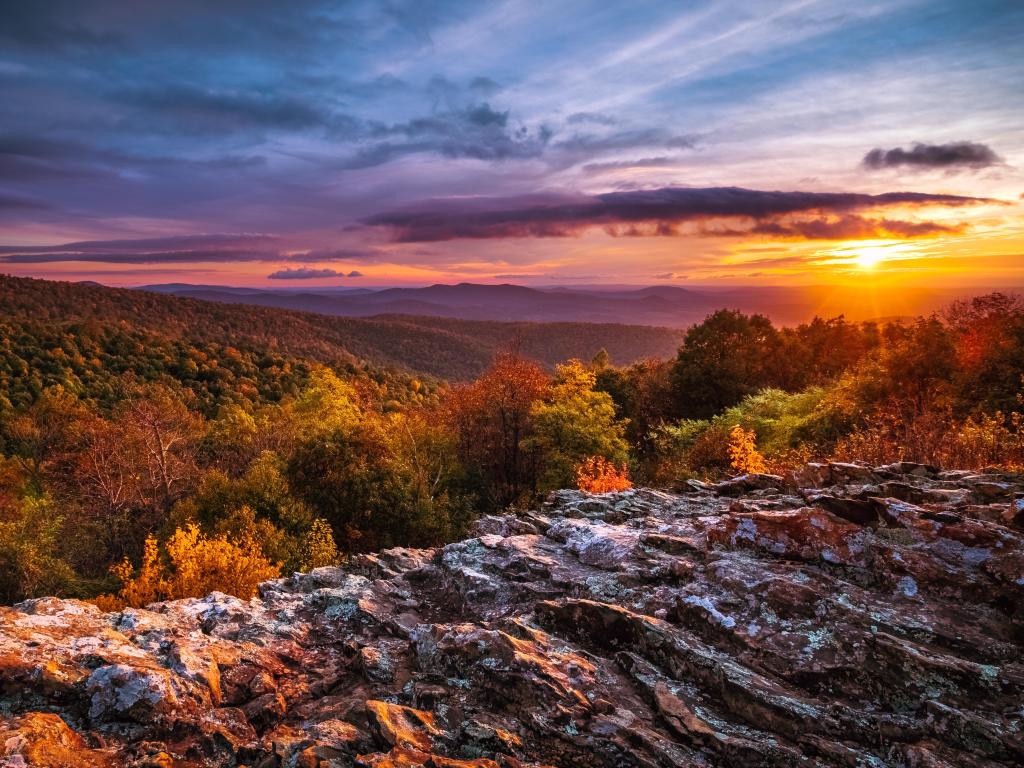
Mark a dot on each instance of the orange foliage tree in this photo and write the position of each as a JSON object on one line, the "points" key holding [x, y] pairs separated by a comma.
{"points": [[597, 474], [491, 418]]}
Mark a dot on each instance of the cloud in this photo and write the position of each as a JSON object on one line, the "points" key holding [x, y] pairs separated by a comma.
{"points": [[176, 249], [618, 165], [304, 273], [156, 250], [176, 108], [639, 212], [853, 228], [9, 202], [596, 118], [961, 154]]}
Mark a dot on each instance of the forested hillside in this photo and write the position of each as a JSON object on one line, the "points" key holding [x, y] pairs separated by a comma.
{"points": [[450, 349]]}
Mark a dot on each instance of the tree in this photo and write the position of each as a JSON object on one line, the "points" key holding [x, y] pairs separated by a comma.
{"points": [[388, 481], [491, 419], [162, 435], [989, 338], [723, 359], [596, 474], [30, 545], [642, 394], [319, 547], [38, 437], [572, 423], [327, 404], [258, 500]]}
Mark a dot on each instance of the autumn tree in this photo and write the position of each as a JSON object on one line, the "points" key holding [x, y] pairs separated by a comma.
{"points": [[38, 437], [162, 436], [194, 566], [388, 480], [989, 340], [491, 419], [743, 451], [30, 550], [258, 500], [573, 422]]}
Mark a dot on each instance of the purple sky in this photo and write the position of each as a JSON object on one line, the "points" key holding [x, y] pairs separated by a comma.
{"points": [[325, 143]]}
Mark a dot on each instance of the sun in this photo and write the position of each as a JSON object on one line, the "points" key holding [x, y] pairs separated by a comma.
{"points": [[869, 257]]}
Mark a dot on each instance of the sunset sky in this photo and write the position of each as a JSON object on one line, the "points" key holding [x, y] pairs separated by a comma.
{"points": [[314, 143]]}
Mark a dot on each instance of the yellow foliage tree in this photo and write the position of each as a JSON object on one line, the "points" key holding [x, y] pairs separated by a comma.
{"points": [[743, 451], [195, 566], [599, 475], [320, 547]]}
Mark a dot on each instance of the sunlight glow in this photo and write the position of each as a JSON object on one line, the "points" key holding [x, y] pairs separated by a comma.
{"points": [[869, 258]]}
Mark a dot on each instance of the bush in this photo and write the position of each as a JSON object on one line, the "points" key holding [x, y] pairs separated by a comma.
{"points": [[195, 566], [743, 453], [598, 475]]}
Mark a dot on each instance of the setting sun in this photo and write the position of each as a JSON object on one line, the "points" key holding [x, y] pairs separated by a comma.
{"points": [[869, 258]]}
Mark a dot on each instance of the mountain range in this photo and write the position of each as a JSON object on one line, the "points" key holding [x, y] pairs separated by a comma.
{"points": [[665, 306]]}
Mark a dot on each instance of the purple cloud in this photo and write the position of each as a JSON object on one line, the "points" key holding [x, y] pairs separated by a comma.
{"points": [[641, 212]]}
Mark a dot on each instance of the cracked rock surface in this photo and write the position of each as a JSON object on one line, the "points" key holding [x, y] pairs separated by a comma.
{"points": [[843, 616]]}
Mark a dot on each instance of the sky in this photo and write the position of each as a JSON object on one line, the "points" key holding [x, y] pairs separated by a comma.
{"points": [[404, 142]]}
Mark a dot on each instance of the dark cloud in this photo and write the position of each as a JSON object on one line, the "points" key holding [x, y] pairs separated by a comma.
{"points": [[148, 257], [485, 86], [198, 110], [11, 202], [640, 212], [36, 26], [31, 158], [304, 273], [961, 154]]}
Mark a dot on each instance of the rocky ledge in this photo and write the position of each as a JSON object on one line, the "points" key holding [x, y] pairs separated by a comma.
{"points": [[846, 616]]}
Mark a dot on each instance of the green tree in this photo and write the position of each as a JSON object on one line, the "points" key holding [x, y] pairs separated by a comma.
{"points": [[723, 359], [258, 500], [572, 423], [30, 545], [384, 482]]}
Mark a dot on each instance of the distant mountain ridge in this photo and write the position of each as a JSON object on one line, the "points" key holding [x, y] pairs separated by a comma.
{"points": [[658, 305]]}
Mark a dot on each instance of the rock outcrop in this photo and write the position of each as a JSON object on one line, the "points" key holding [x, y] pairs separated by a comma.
{"points": [[844, 616]]}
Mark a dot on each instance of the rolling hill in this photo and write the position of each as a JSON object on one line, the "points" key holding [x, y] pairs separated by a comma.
{"points": [[661, 305], [447, 348]]}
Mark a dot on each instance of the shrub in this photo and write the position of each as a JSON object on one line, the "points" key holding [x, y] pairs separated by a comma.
{"points": [[743, 451], [598, 475], [195, 566], [320, 548]]}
